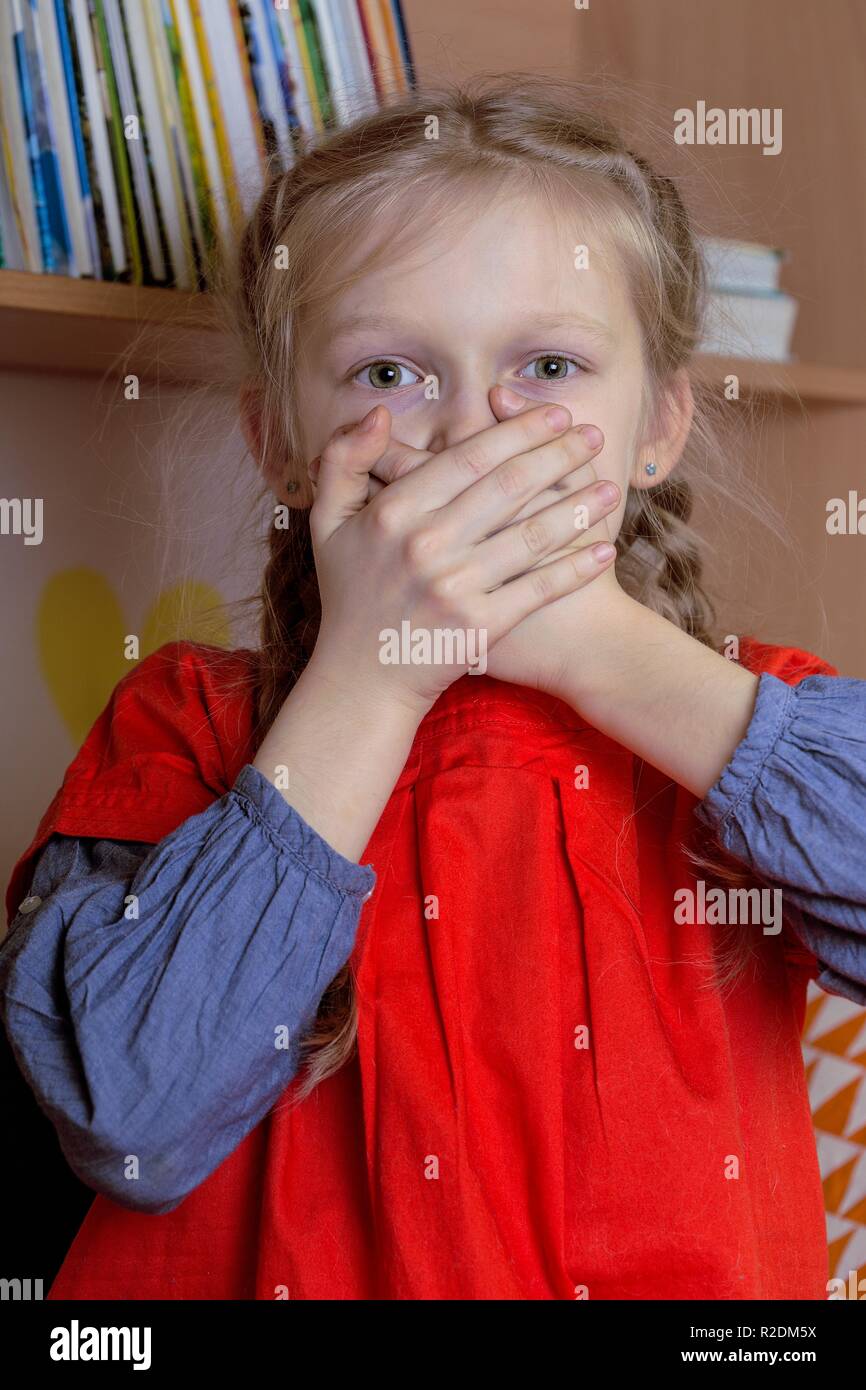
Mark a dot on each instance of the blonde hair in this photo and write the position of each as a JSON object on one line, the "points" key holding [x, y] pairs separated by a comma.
{"points": [[536, 135]]}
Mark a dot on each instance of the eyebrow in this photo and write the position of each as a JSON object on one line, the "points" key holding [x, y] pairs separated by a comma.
{"points": [[351, 327]]}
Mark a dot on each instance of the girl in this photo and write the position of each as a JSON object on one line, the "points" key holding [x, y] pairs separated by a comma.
{"points": [[343, 974]]}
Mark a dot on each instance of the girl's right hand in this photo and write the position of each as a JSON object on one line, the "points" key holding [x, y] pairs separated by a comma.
{"points": [[438, 549]]}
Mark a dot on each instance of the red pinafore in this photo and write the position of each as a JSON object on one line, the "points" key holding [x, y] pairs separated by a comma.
{"points": [[547, 1099]]}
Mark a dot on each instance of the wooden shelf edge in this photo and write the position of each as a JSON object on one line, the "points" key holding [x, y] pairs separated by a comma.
{"points": [[809, 382], [50, 323]]}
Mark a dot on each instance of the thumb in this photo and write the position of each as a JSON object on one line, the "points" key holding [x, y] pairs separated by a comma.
{"points": [[341, 473]]}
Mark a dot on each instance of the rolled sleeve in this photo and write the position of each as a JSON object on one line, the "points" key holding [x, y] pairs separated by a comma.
{"points": [[792, 804], [155, 997]]}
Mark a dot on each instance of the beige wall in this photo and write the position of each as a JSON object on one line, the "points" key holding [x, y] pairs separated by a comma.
{"points": [[113, 508]]}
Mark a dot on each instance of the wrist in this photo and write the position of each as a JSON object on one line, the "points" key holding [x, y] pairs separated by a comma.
{"points": [[602, 655], [368, 695]]}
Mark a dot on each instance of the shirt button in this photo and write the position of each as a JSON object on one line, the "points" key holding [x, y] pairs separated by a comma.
{"points": [[30, 904]]}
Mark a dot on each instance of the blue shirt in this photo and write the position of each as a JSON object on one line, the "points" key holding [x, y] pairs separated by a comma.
{"points": [[155, 996]]}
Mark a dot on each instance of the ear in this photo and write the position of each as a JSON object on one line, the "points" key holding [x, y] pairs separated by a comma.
{"points": [[673, 420], [287, 482]]}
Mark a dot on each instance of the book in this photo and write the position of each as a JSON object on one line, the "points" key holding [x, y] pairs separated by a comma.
{"points": [[52, 223], [55, 96], [757, 326], [159, 146], [14, 146], [386, 12], [740, 266], [95, 131], [230, 104], [72, 80], [203, 111], [178, 105], [287, 86], [355, 47], [308, 118], [134, 131], [403, 37], [334, 70], [117, 140], [11, 246], [136, 135]]}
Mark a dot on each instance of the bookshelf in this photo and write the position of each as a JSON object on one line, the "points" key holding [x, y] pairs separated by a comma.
{"points": [[83, 327]]}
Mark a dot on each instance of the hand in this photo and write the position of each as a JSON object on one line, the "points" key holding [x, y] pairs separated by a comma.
{"points": [[439, 548], [548, 649], [541, 651]]}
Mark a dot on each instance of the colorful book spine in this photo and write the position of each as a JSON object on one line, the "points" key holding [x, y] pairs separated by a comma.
{"points": [[403, 36], [251, 107], [117, 139], [44, 168], [72, 81], [386, 12], [136, 135], [15, 146], [196, 189], [215, 109]]}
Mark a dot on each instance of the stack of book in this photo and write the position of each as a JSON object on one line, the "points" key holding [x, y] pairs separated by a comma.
{"points": [[747, 314], [136, 135]]}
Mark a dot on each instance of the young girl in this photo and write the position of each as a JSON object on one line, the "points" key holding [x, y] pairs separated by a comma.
{"points": [[374, 963]]}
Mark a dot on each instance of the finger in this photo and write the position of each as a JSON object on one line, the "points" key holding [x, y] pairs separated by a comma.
{"points": [[506, 402], [488, 505], [345, 464], [400, 459], [514, 601], [451, 472], [523, 544]]}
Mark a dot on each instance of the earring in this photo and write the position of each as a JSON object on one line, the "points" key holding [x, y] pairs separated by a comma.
{"points": [[291, 485], [651, 468]]}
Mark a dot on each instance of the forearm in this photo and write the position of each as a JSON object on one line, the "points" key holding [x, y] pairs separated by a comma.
{"points": [[342, 749], [652, 688]]}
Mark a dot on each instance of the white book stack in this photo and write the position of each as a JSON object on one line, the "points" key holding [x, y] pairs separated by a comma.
{"points": [[747, 314]]}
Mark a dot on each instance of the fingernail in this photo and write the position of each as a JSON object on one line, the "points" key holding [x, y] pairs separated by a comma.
{"points": [[511, 398], [368, 421], [558, 417], [592, 435], [603, 552], [313, 468], [608, 492]]}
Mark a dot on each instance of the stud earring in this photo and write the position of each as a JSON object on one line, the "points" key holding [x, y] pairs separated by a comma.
{"points": [[291, 485], [651, 468]]}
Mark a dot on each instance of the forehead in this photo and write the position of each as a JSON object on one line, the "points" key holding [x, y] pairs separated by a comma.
{"points": [[484, 269]]}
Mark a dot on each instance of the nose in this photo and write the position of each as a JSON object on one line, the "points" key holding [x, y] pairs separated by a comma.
{"points": [[460, 416]]}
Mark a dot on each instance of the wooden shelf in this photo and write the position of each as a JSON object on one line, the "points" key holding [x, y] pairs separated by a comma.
{"points": [[52, 324], [807, 381]]}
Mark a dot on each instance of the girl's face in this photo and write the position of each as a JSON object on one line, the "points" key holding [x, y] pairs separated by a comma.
{"points": [[501, 304]]}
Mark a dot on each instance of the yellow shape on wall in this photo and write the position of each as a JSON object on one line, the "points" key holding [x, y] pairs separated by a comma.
{"points": [[80, 634]]}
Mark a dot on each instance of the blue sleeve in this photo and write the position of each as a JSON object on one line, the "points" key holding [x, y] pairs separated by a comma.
{"points": [[155, 996], [792, 804]]}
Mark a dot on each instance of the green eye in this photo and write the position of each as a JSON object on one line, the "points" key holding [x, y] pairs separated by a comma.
{"points": [[385, 375], [552, 367]]}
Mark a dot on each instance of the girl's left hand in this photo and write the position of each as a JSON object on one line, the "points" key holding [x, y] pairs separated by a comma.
{"points": [[542, 650]]}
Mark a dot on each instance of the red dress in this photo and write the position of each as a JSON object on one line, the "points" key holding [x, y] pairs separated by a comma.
{"points": [[547, 1101]]}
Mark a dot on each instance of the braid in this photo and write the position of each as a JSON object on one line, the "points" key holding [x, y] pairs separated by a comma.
{"points": [[659, 559]]}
